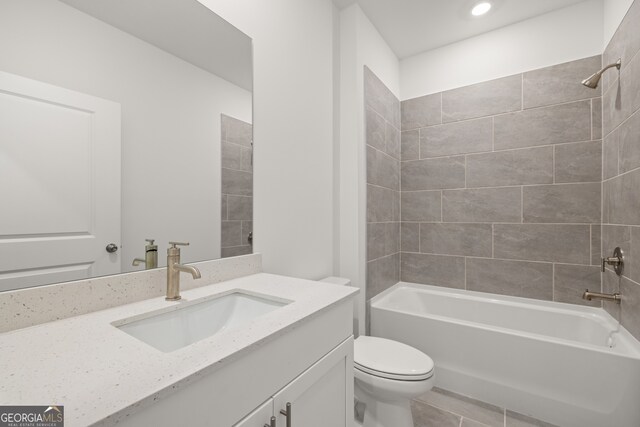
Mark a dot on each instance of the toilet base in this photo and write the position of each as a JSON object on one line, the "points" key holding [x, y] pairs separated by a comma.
{"points": [[384, 413]]}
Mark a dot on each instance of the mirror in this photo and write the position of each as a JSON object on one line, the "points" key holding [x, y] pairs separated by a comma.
{"points": [[120, 121]]}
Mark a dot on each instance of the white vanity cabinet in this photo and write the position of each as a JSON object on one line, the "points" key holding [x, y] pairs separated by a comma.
{"points": [[320, 397], [309, 365]]}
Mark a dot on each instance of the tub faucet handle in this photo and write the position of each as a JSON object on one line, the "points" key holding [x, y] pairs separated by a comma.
{"points": [[617, 261]]}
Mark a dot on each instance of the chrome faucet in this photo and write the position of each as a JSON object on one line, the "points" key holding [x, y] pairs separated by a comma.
{"points": [[173, 271]]}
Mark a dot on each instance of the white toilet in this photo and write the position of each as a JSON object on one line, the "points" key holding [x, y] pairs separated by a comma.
{"points": [[388, 374]]}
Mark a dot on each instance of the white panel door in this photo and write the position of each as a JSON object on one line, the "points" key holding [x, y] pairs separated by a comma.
{"points": [[60, 184], [323, 395]]}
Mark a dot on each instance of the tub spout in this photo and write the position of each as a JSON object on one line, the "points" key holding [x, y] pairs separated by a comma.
{"points": [[597, 295]]}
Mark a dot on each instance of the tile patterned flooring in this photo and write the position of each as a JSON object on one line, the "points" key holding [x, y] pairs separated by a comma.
{"points": [[441, 408]]}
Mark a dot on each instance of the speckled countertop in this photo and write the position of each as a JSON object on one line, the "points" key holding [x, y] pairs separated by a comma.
{"points": [[96, 370]]}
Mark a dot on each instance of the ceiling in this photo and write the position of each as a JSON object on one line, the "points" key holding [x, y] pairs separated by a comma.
{"points": [[415, 26], [186, 29]]}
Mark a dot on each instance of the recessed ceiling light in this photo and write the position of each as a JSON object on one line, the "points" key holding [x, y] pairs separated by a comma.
{"points": [[481, 8]]}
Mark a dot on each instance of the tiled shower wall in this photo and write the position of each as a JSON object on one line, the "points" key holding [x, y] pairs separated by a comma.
{"points": [[382, 116], [621, 174], [501, 185], [237, 186]]}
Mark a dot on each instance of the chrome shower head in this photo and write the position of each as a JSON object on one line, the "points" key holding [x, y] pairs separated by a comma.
{"points": [[593, 80]]}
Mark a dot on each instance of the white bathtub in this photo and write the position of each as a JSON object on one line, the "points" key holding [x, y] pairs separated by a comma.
{"points": [[563, 364]]}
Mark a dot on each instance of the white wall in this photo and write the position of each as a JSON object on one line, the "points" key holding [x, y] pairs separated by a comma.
{"points": [[614, 12], [293, 130], [564, 35], [170, 118], [360, 45]]}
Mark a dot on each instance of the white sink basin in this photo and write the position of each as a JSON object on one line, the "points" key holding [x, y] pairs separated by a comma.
{"points": [[169, 330]]}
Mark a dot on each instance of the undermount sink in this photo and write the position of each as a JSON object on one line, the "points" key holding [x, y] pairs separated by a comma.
{"points": [[171, 329]]}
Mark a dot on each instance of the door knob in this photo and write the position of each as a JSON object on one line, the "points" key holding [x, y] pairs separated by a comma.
{"points": [[112, 248]]}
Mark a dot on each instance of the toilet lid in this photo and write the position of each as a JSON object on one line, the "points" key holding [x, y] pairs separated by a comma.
{"points": [[391, 359]]}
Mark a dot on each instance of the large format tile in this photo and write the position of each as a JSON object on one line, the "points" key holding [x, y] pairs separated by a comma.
{"points": [[620, 101], [611, 285], [382, 274], [512, 167], [513, 419], [570, 281], [482, 99], [624, 44], [383, 239], [543, 126], [560, 83], [410, 145], [596, 118], [375, 129], [421, 205], [630, 314], [488, 415], [470, 136], [482, 205], [231, 233], [629, 140], [392, 141], [632, 258], [383, 204], [610, 148], [432, 174], [237, 182], [562, 203], [516, 278], [435, 270], [562, 243], [622, 199], [240, 207], [236, 251], [429, 416], [379, 98], [231, 155], [596, 243], [579, 162], [410, 237], [421, 112], [236, 131], [382, 169], [456, 239]]}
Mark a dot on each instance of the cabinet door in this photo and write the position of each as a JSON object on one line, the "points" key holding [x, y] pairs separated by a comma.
{"points": [[323, 395], [258, 418]]}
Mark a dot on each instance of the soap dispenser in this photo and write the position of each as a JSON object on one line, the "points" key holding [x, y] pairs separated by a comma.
{"points": [[150, 255]]}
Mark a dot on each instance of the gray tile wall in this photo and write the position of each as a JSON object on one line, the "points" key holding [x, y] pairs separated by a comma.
{"points": [[621, 167], [237, 186], [382, 125], [501, 185]]}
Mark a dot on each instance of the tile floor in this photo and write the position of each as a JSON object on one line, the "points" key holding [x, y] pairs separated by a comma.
{"points": [[442, 408]]}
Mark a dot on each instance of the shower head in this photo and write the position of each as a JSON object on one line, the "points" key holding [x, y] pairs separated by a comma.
{"points": [[593, 80]]}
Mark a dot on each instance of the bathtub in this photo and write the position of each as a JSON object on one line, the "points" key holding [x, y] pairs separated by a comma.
{"points": [[564, 364]]}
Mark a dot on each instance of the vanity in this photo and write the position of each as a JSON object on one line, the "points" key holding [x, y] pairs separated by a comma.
{"points": [[276, 347]]}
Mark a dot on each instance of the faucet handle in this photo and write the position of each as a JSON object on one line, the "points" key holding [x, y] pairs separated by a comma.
{"points": [[174, 244], [150, 241]]}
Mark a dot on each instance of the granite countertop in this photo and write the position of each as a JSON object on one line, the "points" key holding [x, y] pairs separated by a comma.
{"points": [[96, 370]]}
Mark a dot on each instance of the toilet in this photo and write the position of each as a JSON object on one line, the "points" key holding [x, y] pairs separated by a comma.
{"points": [[388, 375]]}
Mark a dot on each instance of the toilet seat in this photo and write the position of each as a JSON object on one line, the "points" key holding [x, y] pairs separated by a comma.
{"points": [[392, 360]]}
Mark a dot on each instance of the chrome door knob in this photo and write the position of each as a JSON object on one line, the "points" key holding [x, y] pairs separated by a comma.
{"points": [[112, 248]]}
